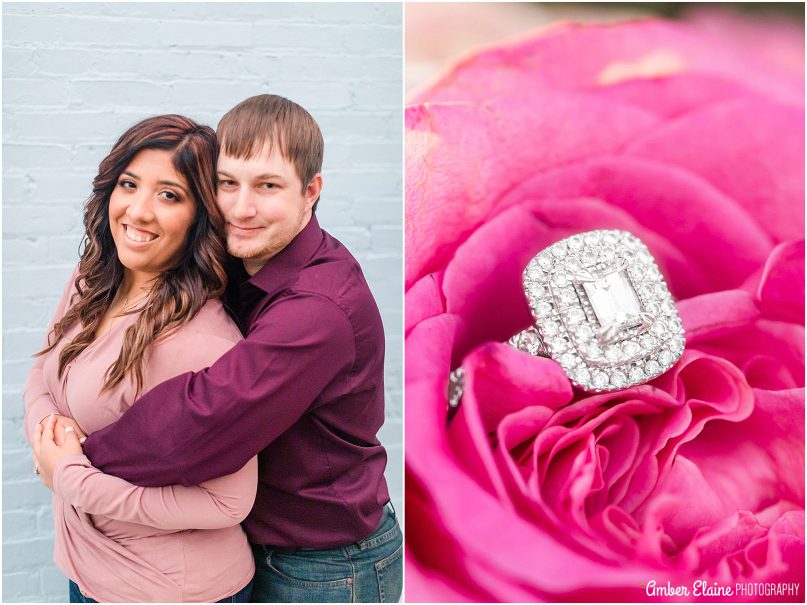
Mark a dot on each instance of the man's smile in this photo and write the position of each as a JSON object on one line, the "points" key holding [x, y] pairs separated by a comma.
{"points": [[238, 230]]}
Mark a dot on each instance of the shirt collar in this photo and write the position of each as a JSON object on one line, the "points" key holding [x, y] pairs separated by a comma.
{"points": [[283, 268]]}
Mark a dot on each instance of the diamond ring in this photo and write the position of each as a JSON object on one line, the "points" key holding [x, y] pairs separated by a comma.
{"points": [[601, 309]]}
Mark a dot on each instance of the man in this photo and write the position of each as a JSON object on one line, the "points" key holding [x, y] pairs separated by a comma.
{"points": [[304, 389]]}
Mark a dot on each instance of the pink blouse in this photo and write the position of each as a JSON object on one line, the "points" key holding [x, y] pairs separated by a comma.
{"points": [[121, 542]]}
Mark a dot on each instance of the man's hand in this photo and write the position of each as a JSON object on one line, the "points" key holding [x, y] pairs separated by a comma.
{"points": [[64, 422], [47, 453]]}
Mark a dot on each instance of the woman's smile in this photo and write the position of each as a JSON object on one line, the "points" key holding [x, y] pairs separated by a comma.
{"points": [[139, 236]]}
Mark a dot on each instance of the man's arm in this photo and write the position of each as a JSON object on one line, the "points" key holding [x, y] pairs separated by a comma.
{"points": [[207, 424]]}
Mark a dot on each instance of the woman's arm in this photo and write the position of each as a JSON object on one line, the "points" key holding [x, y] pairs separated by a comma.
{"points": [[217, 503], [38, 401], [221, 502]]}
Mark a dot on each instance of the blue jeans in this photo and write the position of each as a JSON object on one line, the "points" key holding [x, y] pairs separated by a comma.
{"points": [[368, 571], [242, 596]]}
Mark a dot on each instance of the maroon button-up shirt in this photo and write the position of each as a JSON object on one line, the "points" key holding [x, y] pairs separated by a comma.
{"points": [[304, 390]]}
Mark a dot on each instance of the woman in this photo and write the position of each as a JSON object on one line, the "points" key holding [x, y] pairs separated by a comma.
{"points": [[140, 308]]}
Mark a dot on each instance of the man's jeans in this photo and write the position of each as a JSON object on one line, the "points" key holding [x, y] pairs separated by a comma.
{"points": [[369, 571]]}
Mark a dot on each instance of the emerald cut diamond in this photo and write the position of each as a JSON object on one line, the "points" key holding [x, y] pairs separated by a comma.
{"points": [[613, 298]]}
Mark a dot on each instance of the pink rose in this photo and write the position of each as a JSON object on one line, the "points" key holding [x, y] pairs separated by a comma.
{"points": [[538, 492]]}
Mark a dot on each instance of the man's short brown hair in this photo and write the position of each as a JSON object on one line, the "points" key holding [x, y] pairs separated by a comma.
{"points": [[273, 120]]}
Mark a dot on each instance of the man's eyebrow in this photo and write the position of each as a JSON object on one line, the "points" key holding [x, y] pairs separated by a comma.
{"points": [[265, 175]]}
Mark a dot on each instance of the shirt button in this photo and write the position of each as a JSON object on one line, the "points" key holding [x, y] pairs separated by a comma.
{"points": [[349, 581]]}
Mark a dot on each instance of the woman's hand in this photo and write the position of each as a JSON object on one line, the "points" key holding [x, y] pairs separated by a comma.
{"points": [[52, 442], [64, 422]]}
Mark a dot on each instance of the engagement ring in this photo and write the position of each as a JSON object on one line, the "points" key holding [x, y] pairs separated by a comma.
{"points": [[601, 309]]}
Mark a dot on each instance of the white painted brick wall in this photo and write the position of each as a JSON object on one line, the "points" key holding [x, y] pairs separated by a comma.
{"points": [[75, 76]]}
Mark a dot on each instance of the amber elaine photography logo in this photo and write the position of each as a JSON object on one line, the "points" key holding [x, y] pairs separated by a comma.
{"points": [[703, 588]]}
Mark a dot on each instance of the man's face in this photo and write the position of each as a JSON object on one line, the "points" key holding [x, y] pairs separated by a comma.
{"points": [[264, 204]]}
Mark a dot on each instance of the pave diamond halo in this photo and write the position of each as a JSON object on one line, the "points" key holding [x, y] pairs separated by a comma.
{"points": [[611, 322]]}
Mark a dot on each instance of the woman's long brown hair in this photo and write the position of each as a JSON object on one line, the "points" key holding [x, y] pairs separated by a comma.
{"points": [[177, 293]]}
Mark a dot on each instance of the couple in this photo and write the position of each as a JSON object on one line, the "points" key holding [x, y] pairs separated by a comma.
{"points": [[207, 422]]}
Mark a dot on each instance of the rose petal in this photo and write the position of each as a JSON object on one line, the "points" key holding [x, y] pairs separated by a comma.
{"points": [[766, 180], [423, 581], [604, 54], [684, 502], [778, 42], [521, 546], [716, 314], [781, 288], [676, 95], [717, 236], [446, 198], [423, 585], [763, 341], [786, 544], [428, 362], [568, 216], [423, 300], [743, 551], [500, 380], [759, 460], [712, 549], [483, 282]]}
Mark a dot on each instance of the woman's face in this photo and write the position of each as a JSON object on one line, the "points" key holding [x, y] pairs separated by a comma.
{"points": [[150, 213]]}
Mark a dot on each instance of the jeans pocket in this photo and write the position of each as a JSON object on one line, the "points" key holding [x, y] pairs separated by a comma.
{"points": [[289, 578], [390, 576]]}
